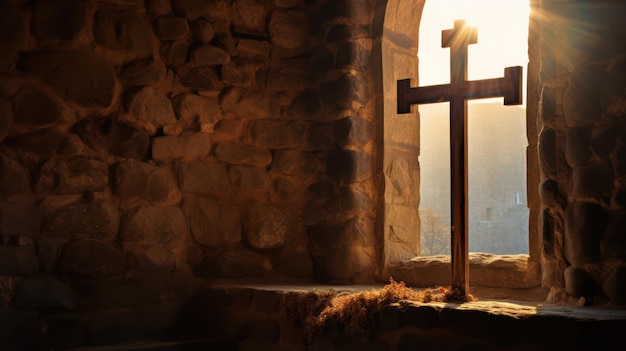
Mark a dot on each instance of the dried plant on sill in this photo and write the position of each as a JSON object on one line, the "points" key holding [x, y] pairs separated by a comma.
{"points": [[313, 312]]}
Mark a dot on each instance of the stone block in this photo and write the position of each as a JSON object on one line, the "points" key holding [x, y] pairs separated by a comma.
{"points": [[215, 224], [594, 180], [581, 103], [36, 110], [13, 176], [81, 76], [134, 179], [142, 72], [548, 151], [550, 194], [233, 263], [285, 189], [243, 154], [578, 146], [194, 110], [275, 80], [295, 163], [288, 29], [87, 258], [146, 258], [352, 55], [584, 225], [6, 122], [94, 220], [11, 84], [353, 131], [122, 292], [203, 31], [153, 107], [207, 54], [187, 146], [126, 31], [345, 33], [271, 227], [245, 103], [294, 262], [579, 283], [164, 226], [171, 28], [159, 7], [46, 142], [279, 134], [249, 17], [345, 91], [546, 221], [19, 220], [254, 49], [349, 201], [307, 105], [203, 178], [246, 178], [614, 285], [44, 293], [613, 244], [352, 263], [211, 10], [349, 165], [117, 137], [174, 54], [201, 77], [73, 175], [18, 260], [62, 20], [358, 11]]}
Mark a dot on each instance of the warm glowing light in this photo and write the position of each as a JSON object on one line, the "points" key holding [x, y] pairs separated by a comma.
{"points": [[502, 35]]}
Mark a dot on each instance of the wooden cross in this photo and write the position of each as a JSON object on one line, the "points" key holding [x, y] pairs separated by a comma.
{"points": [[457, 93]]}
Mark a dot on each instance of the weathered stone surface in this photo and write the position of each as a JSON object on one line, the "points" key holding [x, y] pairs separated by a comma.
{"points": [[579, 283], [581, 103], [353, 131], [345, 91], [214, 223], [193, 110], [550, 194], [254, 49], [615, 285], [245, 103], [20, 220], [274, 80], [18, 260], [321, 136], [603, 141], [584, 224], [159, 7], [174, 53], [279, 133], [243, 75], [203, 178], [350, 200], [44, 293], [14, 178], [349, 165], [11, 84], [225, 40], [62, 20], [295, 163], [151, 106], [594, 180], [142, 73], [344, 32], [285, 189], [14, 28], [208, 54], [358, 11], [73, 175], [352, 263], [46, 142], [234, 263], [613, 243], [148, 258], [81, 76], [154, 224], [306, 105], [125, 31], [187, 146], [170, 27], [37, 110], [612, 94], [243, 154], [288, 29], [203, 31], [249, 178], [96, 220], [271, 227], [134, 179], [578, 146], [249, 17], [352, 55], [199, 77], [547, 150], [294, 262], [211, 10], [114, 136], [88, 258]]}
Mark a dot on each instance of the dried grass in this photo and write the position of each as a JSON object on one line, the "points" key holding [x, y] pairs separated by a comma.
{"points": [[313, 312]]}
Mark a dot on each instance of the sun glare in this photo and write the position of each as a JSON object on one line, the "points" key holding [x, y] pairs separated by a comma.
{"points": [[502, 26]]}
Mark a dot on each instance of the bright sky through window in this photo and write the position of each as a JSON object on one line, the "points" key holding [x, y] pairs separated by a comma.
{"points": [[502, 36]]}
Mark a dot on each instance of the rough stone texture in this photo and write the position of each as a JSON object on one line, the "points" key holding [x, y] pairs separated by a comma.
{"points": [[140, 180], [236, 263], [88, 258], [214, 223], [153, 107], [203, 31], [594, 180], [153, 224], [14, 28], [81, 76], [346, 90], [211, 10], [270, 227], [203, 77], [170, 28], [187, 146], [125, 31], [578, 282], [249, 17], [584, 225], [294, 163], [581, 102], [148, 258], [13, 176], [37, 110], [62, 20], [615, 285], [249, 178], [203, 178], [46, 142], [613, 245], [243, 103], [288, 28], [117, 137], [142, 73], [547, 151], [6, 117], [249, 155], [18, 260], [348, 165], [174, 54], [73, 175], [352, 55], [278, 134], [353, 131], [578, 146], [44, 293], [97, 220], [194, 110], [208, 54], [20, 220]]}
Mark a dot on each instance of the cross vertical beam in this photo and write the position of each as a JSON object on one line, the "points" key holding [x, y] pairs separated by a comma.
{"points": [[457, 93]]}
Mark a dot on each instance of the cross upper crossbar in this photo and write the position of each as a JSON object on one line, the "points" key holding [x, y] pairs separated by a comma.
{"points": [[457, 93]]}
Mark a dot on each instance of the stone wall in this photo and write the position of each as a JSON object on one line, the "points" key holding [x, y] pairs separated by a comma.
{"points": [[581, 148], [221, 139]]}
